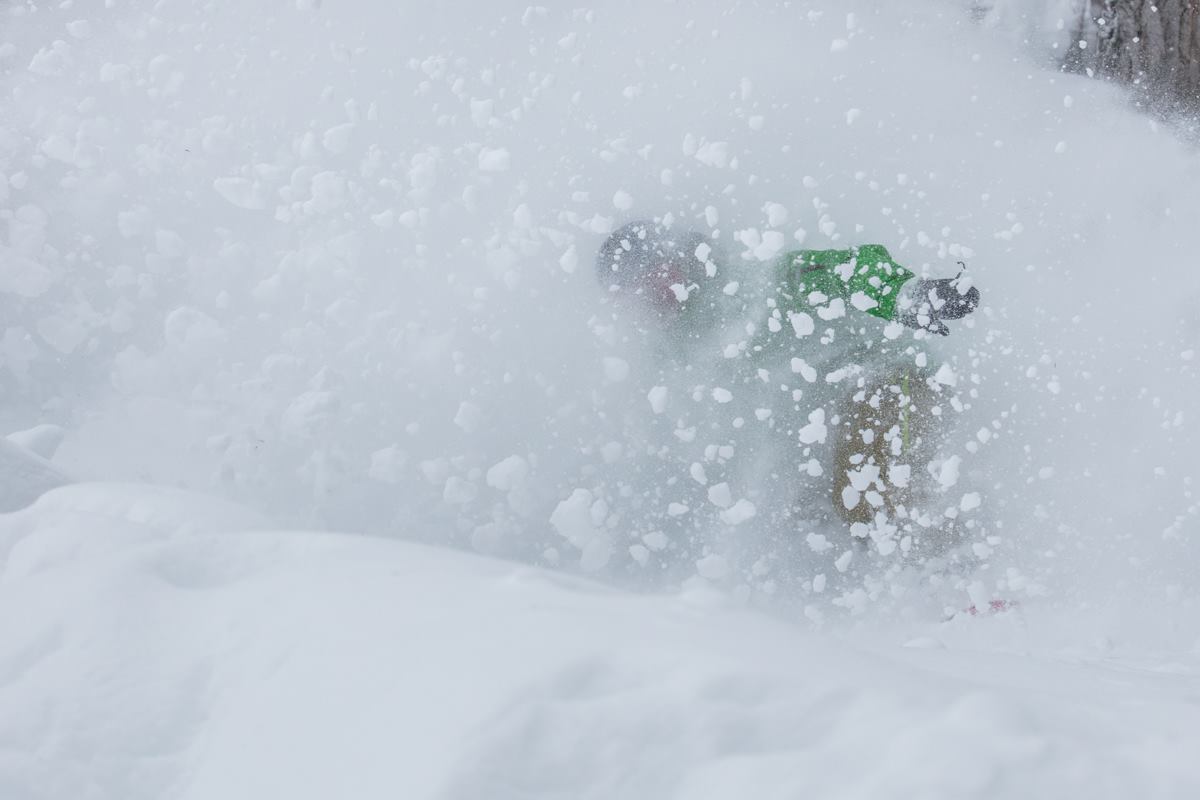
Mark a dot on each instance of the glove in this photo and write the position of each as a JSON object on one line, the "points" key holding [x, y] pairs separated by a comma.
{"points": [[929, 302]]}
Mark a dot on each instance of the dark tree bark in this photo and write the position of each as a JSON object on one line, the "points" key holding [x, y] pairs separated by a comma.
{"points": [[1153, 45]]}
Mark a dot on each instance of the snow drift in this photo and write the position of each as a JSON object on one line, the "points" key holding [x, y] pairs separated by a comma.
{"points": [[155, 648]]}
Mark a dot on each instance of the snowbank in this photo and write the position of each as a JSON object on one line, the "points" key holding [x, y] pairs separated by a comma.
{"points": [[153, 649], [331, 261], [24, 475]]}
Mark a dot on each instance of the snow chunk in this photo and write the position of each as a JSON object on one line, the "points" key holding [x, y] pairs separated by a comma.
{"points": [[240, 192], [595, 554], [387, 465], [680, 291], [770, 246], [739, 512], [616, 370], [468, 416], [169, 243], [50, 61], [79, 29], [458, 491], [799, 365], [422, 172], [494, 160], [66, 329], [611, 452], [712, 567], [481, 112], [192, 331], [114, 72], [862, 302], [776, 214], [306, 414], [947, 473], [569, 260], [23, 276], [435, 470], [328, 193], [945, 376], [969, 502], [835, 310], [337, 138], [58, 148], [656, 540], [714, 154], [851, 497], [863, 476], [508, 474], [719, 495], [722, 395], [42, 440], [815, 431], [818, 543], [658, 399], [573, 519], [802, 323]]}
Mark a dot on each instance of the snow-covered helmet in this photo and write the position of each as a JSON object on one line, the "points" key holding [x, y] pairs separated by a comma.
{"points": [[647, 259]]}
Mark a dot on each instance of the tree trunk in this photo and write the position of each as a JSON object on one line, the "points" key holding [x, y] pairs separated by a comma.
{"points": [[1153, 45]]}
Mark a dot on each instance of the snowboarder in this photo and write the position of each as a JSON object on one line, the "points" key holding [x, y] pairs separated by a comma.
{"points": [[842, 310]]}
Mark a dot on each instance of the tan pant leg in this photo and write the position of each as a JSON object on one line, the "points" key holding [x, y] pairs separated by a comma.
{"points": [[885, 424]]}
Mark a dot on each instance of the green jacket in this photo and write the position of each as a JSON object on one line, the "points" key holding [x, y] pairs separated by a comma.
{"points": [[866, 277], [801, 292]]}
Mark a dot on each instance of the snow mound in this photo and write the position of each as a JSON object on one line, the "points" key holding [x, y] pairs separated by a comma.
{"points": [[170, 656], [25, 475]]}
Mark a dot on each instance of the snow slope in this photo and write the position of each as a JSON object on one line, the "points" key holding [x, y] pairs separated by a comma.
{"points": [[155, 649], [330, 262], [24, 475]]}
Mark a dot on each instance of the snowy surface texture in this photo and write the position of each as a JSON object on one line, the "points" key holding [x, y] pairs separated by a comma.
{"points": [[152, 649], [314, 265], [24, 474]]}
